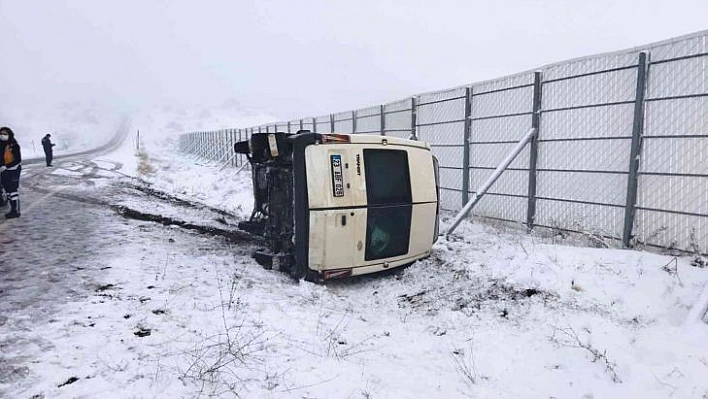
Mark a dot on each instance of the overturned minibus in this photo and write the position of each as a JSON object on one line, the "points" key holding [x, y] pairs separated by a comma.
{"points": [[337, 205]]}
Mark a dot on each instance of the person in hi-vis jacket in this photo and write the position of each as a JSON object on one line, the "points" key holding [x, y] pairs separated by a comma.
{"points": [[10, 169], [48, 151]]}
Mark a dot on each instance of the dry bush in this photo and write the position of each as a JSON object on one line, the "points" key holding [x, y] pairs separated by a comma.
{"points": [[218, 362], [570, 339], [144, 166]]}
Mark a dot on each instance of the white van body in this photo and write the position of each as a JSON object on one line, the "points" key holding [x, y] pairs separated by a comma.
{"points": [[361, 203], [339, 217]]}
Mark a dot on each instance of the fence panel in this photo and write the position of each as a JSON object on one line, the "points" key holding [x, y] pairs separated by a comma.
{"points": [[294, 125], [309, 124], [672, 201], [584, 143], [281, 127], [323, 124], [398, 117], [500, 115], [368, 120], [440, 121], [344, 122]]}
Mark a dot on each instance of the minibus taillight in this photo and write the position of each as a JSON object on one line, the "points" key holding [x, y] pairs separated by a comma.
{"points": [[334, 138]]}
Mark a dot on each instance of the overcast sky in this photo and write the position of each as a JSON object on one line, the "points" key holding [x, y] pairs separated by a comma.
{"points": [[303, 58]]}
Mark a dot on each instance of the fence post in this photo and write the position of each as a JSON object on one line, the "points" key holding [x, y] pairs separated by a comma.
{"points": [[222, 144], [238, 157], [232, 141], [630, 208], [215, 145], [331, 123], [353, 122], [383, 119], [533, 149], [301, 124], [466, 147], [237, 138], [414, 131]]}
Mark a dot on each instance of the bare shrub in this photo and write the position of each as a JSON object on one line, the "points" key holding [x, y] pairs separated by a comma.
{"points": [[336, 345], [672, 269], [218, 362], [698, 260], [570, 339], [466, 365]]}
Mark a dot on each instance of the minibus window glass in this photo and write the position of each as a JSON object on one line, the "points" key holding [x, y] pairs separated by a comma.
{"points": [[387, 177], [388, 230]]}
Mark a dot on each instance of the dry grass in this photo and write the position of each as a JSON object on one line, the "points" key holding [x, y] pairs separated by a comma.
{"points": [[144, 166]]}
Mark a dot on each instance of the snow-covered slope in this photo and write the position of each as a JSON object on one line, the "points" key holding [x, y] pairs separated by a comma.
{"points": [[157, 311]]}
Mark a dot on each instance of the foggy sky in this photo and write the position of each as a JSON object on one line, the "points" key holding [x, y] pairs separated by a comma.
{"points": [[302, 58]]}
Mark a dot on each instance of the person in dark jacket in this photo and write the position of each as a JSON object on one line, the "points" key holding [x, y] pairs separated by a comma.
{"points": [[10, 169], [48, 151]]}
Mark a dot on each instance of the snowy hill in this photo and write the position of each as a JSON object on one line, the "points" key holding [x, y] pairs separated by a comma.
{"points": [[74, 126], [162, 125], [77, 126]]}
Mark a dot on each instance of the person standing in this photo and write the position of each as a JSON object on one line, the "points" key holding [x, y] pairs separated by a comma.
{"points": [[48, 151], [10, 169]]}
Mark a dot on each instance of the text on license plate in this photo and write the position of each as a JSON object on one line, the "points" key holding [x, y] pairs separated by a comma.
{"points": [[337, 179]]}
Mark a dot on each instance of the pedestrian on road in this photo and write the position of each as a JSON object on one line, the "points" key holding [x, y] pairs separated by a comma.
{"points": [[10, 169], [48, 151]]}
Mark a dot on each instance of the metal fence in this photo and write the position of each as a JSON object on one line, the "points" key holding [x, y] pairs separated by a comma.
{"points": [[620, 152], [216, 146]]}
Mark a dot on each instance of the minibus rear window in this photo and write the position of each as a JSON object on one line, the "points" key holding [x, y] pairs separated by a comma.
{"points": [[387, 177], [388, 231]]}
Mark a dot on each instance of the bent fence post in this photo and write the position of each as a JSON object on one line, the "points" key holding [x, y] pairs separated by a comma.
{"points": [[533, 153], [635, 150], [495, 175]]}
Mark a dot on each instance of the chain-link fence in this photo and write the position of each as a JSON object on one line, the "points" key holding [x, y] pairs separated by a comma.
{"points": [[216, 146], [620, 152]]}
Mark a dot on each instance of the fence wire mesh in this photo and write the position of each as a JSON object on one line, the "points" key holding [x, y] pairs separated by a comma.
{"points": [[323, 124], [591, 110], [500, 114], [672, 203], [344, 122], [398, 118], [368, 120]]}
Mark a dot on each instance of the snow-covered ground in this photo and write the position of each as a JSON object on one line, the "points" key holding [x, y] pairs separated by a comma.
{"points": [[95, 303]]}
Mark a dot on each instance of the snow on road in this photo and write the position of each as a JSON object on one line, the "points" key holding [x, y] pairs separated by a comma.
{"points": [[99, 305]]}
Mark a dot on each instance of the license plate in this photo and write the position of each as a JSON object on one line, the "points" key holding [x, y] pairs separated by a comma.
{"points": [[337, 178]]}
